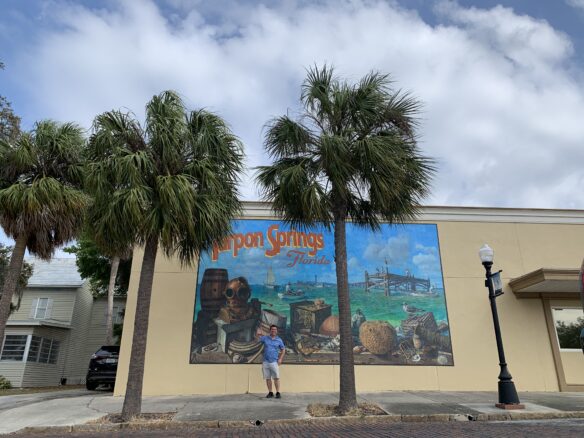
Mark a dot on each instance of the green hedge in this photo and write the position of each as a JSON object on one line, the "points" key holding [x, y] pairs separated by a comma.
{"points": [[5, 383]]}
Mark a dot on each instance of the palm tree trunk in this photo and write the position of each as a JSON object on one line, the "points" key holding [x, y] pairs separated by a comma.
{"points": [[11, 282], [347, 393], [133, 399], [109, 325]]}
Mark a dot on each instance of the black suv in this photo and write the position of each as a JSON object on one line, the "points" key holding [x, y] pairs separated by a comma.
{"points": [[102, 367]]}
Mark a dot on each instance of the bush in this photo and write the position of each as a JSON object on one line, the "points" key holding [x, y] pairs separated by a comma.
{"points": [[5, 383]]}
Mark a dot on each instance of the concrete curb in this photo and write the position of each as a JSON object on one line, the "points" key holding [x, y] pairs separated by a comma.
{"points": [[210, 424]]}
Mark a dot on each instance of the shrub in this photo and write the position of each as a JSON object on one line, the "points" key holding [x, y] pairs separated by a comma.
{"points": [[5, 383]]}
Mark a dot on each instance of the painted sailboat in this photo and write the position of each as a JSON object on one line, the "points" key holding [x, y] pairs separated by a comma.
{"points": [[270, 282]]}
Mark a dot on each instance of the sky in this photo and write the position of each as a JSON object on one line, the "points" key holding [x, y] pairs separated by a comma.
{"points": [[502, 83]]}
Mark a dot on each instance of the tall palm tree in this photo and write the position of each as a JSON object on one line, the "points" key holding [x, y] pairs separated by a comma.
{"points": [[171, 184], [352, 155], [109, 314], [101, 264], [41, 202]]}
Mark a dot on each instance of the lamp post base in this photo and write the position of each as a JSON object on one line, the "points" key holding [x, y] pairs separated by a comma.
{"points": [[509, 407], [507, 392]]}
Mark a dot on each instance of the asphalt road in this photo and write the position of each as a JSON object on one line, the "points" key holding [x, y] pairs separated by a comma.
{"points": [[477, 429]]}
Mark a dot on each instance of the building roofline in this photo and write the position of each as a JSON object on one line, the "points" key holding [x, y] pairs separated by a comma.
{"points": [[53, 286], [435, 213]]}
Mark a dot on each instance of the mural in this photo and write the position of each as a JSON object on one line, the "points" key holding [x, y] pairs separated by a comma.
{"points": [[267, 273]]}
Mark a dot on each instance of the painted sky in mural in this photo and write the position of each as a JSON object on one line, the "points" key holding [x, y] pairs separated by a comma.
{"points": [[410, 248], [395, 281]]}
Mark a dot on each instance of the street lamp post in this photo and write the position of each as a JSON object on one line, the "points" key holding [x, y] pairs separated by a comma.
{"points": [[508, 398]]}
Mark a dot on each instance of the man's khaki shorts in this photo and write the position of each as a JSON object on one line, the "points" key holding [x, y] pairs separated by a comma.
{"points": [[271, 370]]}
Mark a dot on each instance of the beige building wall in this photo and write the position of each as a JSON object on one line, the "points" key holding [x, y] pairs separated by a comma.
{"points": [[523, 240]]}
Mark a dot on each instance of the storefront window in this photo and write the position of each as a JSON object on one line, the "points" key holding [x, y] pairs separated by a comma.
{"points": [[569, 323]]}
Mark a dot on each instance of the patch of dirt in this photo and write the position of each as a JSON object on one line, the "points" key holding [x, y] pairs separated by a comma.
{"points": [[142, 418], [18, 391], [322, 410]]}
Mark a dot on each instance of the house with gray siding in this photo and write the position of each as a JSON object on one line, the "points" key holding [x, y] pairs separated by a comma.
{"points": [[59, 325]]}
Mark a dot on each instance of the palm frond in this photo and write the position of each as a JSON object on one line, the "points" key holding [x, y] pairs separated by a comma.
{"points": [[285, 137], [165, 128], [41, 196], [316, 92], [293, 187], [175, 181], [360, 150], [401, 111], [209, 138]]}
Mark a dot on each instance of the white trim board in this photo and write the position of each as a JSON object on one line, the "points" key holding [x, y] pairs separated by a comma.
{"points": [[461, 214]]}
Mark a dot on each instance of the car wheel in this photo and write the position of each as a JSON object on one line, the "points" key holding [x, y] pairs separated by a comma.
{"points": [[91, 385]]}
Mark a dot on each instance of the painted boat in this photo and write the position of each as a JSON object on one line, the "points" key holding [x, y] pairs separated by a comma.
{"points": [[291, 294]]}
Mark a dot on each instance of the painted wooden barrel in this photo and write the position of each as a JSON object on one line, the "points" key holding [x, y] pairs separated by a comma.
{"points": [[212, 287]]}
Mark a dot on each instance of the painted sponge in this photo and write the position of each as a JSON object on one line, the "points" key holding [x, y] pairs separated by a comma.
{"points": [[377, 336]]}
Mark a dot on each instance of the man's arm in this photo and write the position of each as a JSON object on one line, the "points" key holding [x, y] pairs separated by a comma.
{"points": [[281, 355]]}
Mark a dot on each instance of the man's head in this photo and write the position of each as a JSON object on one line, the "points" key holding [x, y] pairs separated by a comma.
{"points": [[273, 330]]}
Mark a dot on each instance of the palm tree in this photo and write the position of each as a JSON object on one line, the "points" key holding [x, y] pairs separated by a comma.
{"points": [[101, 264], [171, 184], [109, 321], [352, 155], [41, 202]]}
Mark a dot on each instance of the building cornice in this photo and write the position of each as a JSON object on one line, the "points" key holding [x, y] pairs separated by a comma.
{"points": [[255, 209], [547, 283]]}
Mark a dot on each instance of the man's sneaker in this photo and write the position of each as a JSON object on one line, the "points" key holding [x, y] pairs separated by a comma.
{"points": [[278, 395], [271, 395]]}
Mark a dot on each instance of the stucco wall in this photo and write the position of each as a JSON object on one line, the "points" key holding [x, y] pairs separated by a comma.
{"points": [[522, 243]]}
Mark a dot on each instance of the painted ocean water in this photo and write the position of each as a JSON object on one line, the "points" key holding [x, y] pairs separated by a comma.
{"points": [[374, 304]]}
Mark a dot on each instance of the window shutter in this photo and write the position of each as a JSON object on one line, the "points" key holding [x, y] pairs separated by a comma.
{"points": [[49, 311], [33, 308]]}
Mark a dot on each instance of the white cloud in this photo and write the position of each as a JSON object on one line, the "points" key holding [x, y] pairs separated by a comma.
{"points": [[576, 3], [353, 263], [395, 252], [503, 99], [427, 261]]}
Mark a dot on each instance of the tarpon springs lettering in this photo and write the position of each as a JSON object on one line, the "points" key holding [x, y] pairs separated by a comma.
{"points": [[276, 241]]}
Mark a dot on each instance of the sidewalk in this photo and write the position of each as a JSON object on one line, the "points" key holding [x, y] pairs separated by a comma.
{"points": [[77, 408]]}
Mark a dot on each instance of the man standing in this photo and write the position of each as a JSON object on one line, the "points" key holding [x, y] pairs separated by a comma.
{"points": [[274, 351]]}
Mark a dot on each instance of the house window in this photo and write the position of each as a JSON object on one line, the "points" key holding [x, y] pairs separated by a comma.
{"points": [[13, 347], [34, 349], [568, 322], [41, 308], [117, 315], [41, 350], [45, 353], [54, 351]]}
